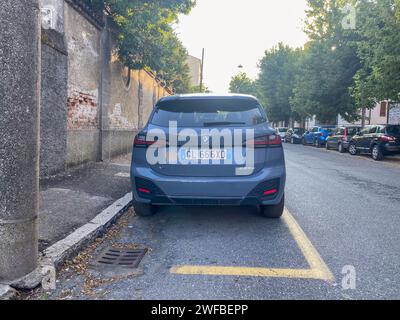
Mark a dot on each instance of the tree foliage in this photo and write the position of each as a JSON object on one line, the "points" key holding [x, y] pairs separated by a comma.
{"points": [[278, 70], [145, 37], [241, 83], [379, 51]]}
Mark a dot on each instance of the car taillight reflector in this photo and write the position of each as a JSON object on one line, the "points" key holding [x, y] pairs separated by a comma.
{"points": [[270, 192], [144, 190]]}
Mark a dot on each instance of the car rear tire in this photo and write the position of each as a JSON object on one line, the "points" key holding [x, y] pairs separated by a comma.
{"points": [[274, 211], [303, 142], [377, 154], [144, 209], [353, 149], [341, 149]]}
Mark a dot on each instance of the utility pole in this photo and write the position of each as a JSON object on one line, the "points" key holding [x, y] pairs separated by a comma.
{"points": [[202, 71], [19, 137]]}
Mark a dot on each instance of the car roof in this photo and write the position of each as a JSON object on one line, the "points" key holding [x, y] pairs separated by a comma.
{"points": [[208, 96]]}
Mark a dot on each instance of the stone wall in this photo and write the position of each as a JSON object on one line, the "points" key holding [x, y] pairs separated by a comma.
{"points": [[53, 113], [92, 105]]}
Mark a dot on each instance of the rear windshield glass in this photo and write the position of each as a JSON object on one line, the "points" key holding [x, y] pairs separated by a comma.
{"points": [[298, 131], [395, 130], [282, 130], [352, 131], [208, 113]]}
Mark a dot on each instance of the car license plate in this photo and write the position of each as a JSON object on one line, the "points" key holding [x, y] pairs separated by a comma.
{"points": [[204, 154]]}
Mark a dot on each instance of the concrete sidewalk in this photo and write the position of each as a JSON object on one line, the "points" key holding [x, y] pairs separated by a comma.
{"points": [[72, 199]]}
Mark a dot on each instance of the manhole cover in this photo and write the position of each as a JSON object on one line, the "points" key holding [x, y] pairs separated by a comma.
{"points": [[124, 258]]}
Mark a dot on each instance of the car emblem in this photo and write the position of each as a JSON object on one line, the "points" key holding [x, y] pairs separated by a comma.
{"points": [[206, 139]]}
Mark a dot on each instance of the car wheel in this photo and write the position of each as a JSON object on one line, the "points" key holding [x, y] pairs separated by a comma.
{"points": [[303, 142], [377, 154], [144, 209], [317, 143], [353, 149], [341, 149], [274, 211]]}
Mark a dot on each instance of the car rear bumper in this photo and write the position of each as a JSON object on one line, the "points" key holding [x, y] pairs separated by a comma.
{"points": [[233, 191], [391, 149]]}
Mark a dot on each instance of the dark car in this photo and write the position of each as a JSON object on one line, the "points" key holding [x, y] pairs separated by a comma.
{"points": [[340, 140], [377, 140], [294, 135], [179, 157]]}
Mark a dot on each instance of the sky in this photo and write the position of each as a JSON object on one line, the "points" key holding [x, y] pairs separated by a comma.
{"points": [[237, 32]]}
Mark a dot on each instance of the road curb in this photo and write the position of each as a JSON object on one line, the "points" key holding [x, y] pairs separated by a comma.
{"points": [[54, 256], [7, 293], [66, 248]]}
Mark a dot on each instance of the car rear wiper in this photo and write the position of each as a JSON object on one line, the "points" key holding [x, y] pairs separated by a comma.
{"points": [[222, 123]]}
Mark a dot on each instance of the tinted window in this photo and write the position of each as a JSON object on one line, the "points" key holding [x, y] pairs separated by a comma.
{"points": [[298, 131], [373, 130], [365, 130], [352, 131], [282, 130], [393, 130], [208, 113]]}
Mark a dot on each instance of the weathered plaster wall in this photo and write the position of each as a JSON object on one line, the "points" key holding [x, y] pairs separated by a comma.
{"points": [[53, 111], [92, 105], [83, 45], [127, 99]]}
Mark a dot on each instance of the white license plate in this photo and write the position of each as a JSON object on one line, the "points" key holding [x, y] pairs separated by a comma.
{"points": [[207, 154]]}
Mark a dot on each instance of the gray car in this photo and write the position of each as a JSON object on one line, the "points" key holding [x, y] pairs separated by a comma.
{"points": [[208, 150]]}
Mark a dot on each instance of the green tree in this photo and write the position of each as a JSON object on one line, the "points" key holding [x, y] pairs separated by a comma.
{"points": [[241, 83], [327, 73], [278, 70], [145, 38], [379, 51]]}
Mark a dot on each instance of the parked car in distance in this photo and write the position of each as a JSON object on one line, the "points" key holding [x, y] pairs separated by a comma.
{"points": [[340, 140], [199, 175], [294, 135], [377, 140], [282, 132], [317, 135]]}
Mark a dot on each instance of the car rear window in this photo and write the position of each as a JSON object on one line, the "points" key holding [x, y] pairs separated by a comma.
{"points": [[395, 130], [283, 130], [352, 131], [208, 113], [298, 131]]}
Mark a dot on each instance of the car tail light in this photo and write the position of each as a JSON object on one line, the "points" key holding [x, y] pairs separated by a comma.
{"points": [[270, 192], [265, 141], [386, 139], [144, 190], [142, 141]]}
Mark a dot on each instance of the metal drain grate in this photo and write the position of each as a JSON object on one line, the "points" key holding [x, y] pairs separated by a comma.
{"points": [[129, 258]]}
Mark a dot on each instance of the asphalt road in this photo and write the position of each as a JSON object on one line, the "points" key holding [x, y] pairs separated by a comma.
{"points": [[347, 207]]}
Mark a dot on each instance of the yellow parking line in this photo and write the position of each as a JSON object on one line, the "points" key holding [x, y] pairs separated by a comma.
{"points": [[310, 253], [318, 268]]}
